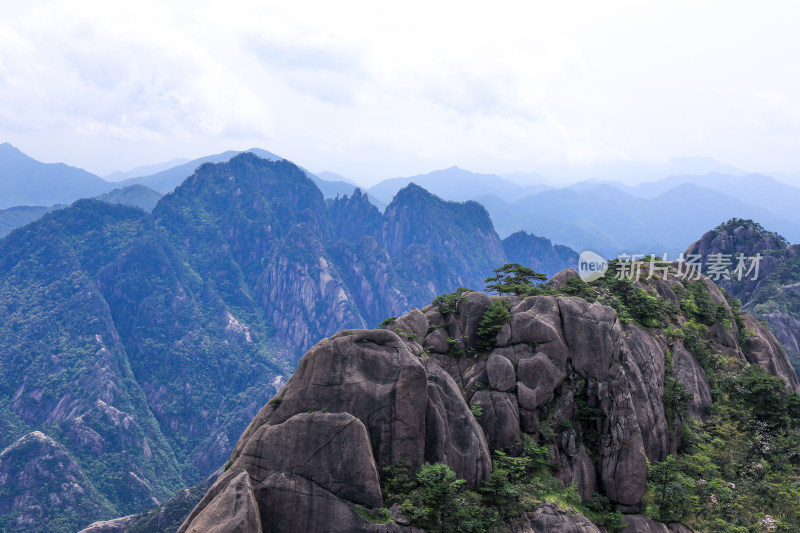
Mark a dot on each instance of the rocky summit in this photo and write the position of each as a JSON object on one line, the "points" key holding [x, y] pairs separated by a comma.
{"points": [[771, 291], [594, 381]]}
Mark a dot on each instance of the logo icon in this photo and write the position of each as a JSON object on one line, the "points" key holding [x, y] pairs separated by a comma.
{"points": [[591, 266]]}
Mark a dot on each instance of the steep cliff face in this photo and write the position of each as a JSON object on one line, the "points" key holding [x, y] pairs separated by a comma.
{"points": [[262, 230], [354, 216], [593, 381], [370, 276]]}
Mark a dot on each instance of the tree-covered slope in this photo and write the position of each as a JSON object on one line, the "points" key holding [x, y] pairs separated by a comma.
{"points": [[65, 370], [122, 354]]}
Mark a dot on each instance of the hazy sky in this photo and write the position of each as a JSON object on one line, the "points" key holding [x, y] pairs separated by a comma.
{"points": [[374, 90]]}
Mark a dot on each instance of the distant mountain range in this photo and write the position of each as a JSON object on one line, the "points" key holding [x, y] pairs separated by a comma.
{"points": [[145, 170], [456, 184], [25, 181], [29, 188], [608, 220], [611, 217], [603, 215], [635, 172]]}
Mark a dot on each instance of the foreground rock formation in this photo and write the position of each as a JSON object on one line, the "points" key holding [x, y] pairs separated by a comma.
{"points": [[363, 400]]}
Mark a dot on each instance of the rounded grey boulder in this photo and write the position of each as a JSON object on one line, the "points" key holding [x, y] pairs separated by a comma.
{"points": [[500, 372]]}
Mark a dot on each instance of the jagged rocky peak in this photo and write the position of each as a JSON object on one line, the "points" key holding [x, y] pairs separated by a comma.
{"points": [[452, 382], [737, 236], [449, 243], [354, 216], [417, 216], [770, 289]]}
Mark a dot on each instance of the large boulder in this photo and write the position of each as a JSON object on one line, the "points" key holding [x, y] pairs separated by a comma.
{"points": [[230, 507], [562, 278], [436, 341], [368, 373], [539, 374], [414, 323], [470, 313], [593, 335], [536, 321], [499, 420], [330, 449], [548, 518], [500, 372], [297, 505]]}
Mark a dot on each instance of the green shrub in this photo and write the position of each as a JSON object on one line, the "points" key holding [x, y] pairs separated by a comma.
{"points": [[401, 333], [477, 410], [448, 302], [498, 313], [386, 322], [381, 515], [676, 401], [695, 338], [440, 501], [671, 495], [581, 289], [696, 304]]}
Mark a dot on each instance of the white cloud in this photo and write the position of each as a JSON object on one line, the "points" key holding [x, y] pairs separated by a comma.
{"points": [[372, 90]]}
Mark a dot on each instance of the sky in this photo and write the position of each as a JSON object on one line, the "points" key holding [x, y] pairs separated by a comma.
{"points": [[373, 90]]}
